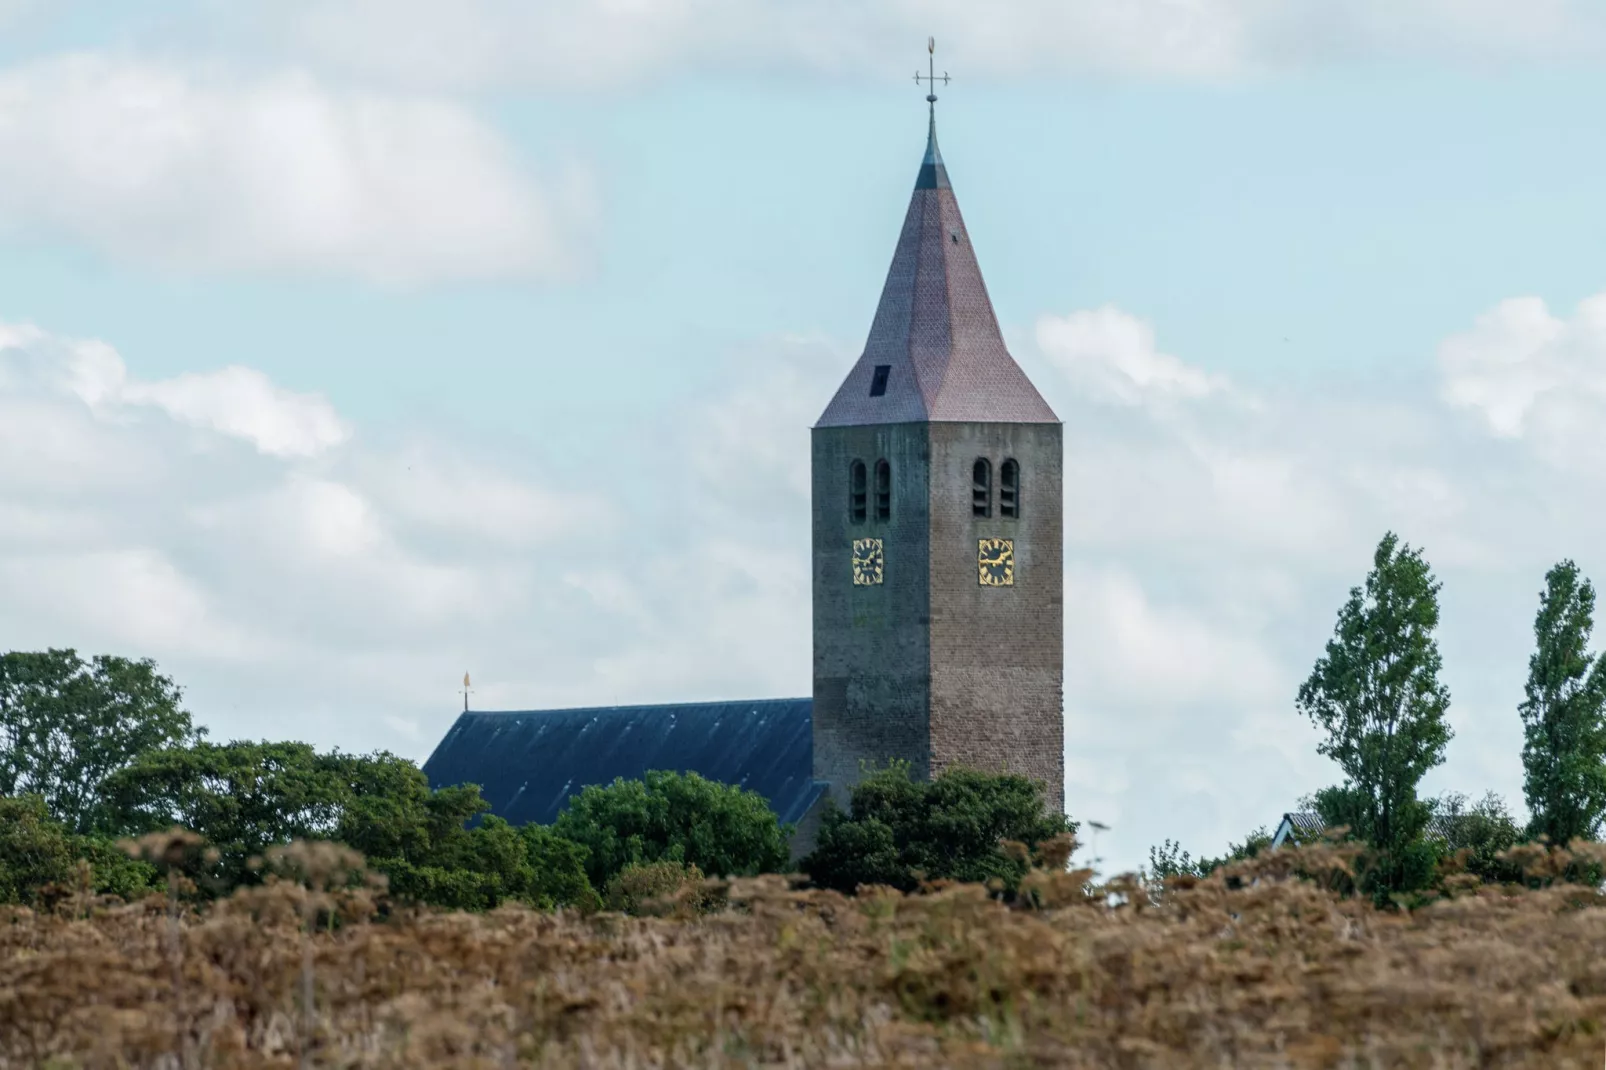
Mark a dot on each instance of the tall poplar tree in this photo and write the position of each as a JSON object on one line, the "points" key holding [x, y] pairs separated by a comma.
{"points": [[1376, 693], [1564, 713]]}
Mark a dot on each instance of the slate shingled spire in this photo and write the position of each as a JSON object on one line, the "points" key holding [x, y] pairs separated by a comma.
{"points": [[935, 330]]}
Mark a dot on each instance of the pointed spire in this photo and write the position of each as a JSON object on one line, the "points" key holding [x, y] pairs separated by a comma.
{"points": [[934, 332], [933, 175]]}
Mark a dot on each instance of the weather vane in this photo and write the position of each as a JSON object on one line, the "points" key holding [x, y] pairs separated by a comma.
{"points": [[466, 692], [931, 77]]}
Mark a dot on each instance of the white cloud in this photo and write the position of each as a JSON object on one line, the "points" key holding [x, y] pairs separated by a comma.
{"points": [[315, 585], [190, 169], [436, 487], [1113, 354], [124, 527], [602, 43], [238, 402], [1532, 376], [244, 403], [136, 597], [763, 420], [1117, 637]]}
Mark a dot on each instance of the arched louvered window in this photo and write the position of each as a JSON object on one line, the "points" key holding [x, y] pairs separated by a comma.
{"points": [[981, 492], [857, 496], [1009, 489], [883, 490]]}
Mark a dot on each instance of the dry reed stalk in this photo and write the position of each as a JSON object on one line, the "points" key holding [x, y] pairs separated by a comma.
{"points": [[1254, 968]]}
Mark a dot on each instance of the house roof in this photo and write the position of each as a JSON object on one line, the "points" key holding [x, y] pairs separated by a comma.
{"points": [[1310, 823], [528, 762], [934, 330]]}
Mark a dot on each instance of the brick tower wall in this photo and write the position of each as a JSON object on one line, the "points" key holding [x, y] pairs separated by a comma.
{"points": [[997, 653], [931, 666], [872, 651]]}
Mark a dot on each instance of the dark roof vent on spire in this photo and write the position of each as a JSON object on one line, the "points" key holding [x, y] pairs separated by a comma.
{"points": [[934, 329]]}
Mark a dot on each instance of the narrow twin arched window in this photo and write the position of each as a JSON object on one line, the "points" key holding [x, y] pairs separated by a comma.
{"points": [[981, 492], [981, 489], [859, 491], [1009, 489]]}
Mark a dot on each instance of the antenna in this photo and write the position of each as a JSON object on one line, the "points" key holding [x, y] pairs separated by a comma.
{"points": [[1097, 827]]}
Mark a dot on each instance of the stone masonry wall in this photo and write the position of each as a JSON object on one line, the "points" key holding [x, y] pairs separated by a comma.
{"points": [[931, 666], [872, 678], [997, 653]]}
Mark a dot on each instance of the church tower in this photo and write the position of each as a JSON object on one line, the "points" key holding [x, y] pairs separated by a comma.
{"points": [[938, 566]]}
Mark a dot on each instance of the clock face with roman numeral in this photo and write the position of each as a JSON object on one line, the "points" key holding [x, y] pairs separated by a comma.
{"points": [[995, 562], [868, 561]]}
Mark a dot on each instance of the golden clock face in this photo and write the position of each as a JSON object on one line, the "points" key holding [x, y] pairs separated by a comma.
{"points": [[867, 562], [995, 562]]}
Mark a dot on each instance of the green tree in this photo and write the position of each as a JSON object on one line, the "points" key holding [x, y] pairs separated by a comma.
{"points": [[1377, 695], [899, 831], [441, 847], [37, 851], [66, 725], [389, 810], [1564, 713], [1483, 829], [557, 870], [436, 847], [242, 797], [1406, 864], [722, 829], [1170, 860]]}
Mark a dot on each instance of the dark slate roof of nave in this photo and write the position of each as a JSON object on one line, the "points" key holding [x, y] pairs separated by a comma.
{"points": [[935, 329], [529, 762]]}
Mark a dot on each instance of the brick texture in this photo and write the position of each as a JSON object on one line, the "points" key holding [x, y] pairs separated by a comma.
{"points": [[997, 653], [930, 666], [935, 330]]}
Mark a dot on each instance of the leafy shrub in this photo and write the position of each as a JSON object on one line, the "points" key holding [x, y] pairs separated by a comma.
{"points": [[481, 867], [659, 888], [246, 798], [34, 850], [557, 870], [1475, 836], [37, 853], [1170, 860], [899, 832], [721, 829], [243, 797]]}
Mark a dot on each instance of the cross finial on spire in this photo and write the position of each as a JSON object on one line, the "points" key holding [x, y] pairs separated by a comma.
{"points": [[931, 77]]}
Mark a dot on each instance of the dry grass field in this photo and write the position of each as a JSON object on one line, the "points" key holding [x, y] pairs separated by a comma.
{"points": [[1259, 970]]}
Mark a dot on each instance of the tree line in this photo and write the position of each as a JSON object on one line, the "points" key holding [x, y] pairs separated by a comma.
{"points": [[1376, 695], [96, 753]]}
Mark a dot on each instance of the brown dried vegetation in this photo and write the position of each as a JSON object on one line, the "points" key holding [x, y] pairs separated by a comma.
{"points": [[1252, 967]]}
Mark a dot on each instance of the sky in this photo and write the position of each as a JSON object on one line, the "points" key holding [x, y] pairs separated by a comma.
{"points": [[346, 346]]}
